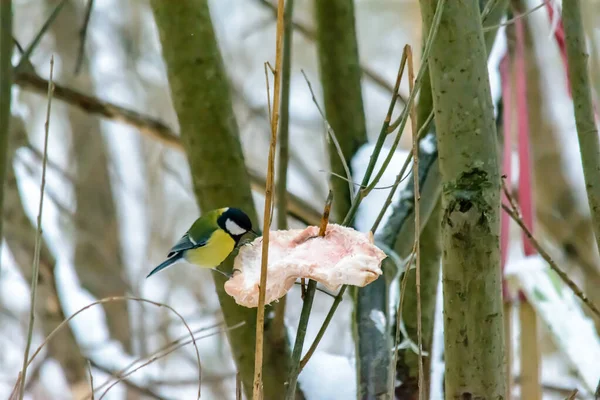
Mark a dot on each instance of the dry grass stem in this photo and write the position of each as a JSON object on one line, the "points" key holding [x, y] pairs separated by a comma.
{"points": [[38, 238], [156, 357], [64, 323], [260, 315]]}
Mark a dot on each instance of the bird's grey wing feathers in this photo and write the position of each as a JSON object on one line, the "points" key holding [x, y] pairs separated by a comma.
{"points": [[185, 243]]}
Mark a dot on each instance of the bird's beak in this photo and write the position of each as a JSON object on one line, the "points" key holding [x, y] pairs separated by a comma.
{"points": [[255, 233]]}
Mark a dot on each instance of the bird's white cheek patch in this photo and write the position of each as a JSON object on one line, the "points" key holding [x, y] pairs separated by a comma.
{"points": [[234, 228]]}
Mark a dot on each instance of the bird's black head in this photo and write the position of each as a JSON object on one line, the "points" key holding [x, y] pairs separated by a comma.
{"points": [[235, 222]]}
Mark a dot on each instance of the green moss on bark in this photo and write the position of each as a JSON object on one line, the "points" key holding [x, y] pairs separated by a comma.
{"points": [[468, 159]]}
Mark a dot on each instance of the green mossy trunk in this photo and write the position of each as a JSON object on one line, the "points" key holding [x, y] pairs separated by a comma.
{"points": [[587, 130], [469, 166], [340, 71], [6, 76], [201, 96]]}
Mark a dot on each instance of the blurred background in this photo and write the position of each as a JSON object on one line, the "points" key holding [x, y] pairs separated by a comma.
{"points": [[118, 195]]}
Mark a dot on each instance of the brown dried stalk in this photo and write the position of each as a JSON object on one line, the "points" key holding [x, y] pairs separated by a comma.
{"points": [[260, 315]]}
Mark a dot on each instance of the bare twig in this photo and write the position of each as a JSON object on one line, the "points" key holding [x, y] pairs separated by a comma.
{"points": [[38, 37], [238, 387], [169, 348], [260, 316], [399, 311], [352, 212], [65, 323], [515, 215], [415, 151], [400, 177], [487, 10], [308, 33], [38, 238], [83, 35], [413, 94], [151, 127], [369, 170], [296, 364], [91, 379], [573, 395], [158, 355], [332, 136], [142, 390], [512, 20]]}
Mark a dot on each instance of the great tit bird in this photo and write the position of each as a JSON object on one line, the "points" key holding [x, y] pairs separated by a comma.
{"points": [[210, 239]]}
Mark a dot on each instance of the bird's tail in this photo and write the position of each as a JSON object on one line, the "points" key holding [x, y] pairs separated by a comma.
{"points": [[169, 261]]}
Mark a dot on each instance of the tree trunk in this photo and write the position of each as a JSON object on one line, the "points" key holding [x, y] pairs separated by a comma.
{"points": [[209, 132], [340, 77], [98, 260], [6, 50], [468, 154], [20, 234], [587, 131]]}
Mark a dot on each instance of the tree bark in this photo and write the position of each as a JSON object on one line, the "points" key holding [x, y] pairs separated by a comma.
{"points": [[340, 77], [98, 260], [587, 131], [201, 97], [468, 157], [6, 50], [20, 234]]}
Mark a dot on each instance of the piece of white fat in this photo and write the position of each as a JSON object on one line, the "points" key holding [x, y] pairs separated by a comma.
{"points": [[343, 256]]}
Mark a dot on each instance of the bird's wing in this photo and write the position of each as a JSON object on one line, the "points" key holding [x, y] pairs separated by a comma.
{"points": [[199, 232], [186, 243]]}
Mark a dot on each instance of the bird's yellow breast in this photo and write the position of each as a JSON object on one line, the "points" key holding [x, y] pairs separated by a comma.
{"points": [[216, 250]]}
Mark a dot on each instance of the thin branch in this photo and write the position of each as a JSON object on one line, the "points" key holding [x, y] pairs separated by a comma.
{"points": [[415, 151], [151, 127], [488, 9], [399, 309], [38, 238], [260, 315], [309, 34], [400, 177], [38, 37], [91, 379], [352, 212], [238, 387], [515, 215], [331, 135], [129, 383], [83, 35], [368, 172], [413, 94], [65, 323], [296, 364], [512, 20], [158, 355], [281, 197]]}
